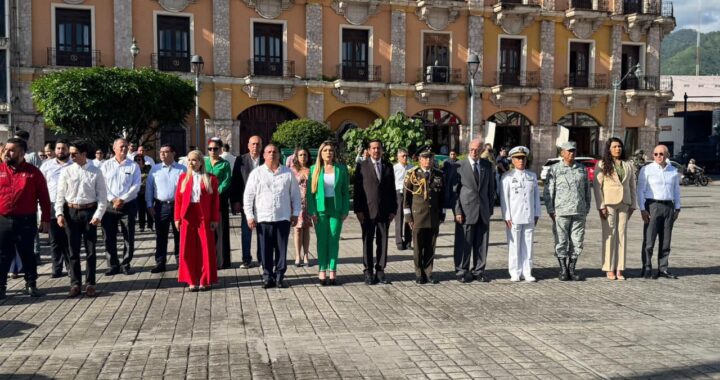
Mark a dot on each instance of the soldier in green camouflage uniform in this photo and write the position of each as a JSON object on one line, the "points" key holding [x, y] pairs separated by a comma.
{"points": [[567, 198]]}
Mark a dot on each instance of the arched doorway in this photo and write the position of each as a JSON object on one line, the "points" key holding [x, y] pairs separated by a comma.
{"points": [[584, 130], [347, 118], [511, 129], [442, 128], [261, 120], [175, 135]]}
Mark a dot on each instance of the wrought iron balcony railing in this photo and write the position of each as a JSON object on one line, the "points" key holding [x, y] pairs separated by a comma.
{"points": [[171, 62], [58, 57], [439, 75], [648, 83], [359, 73], [518, 2], [600, 5], [652, 7], [517, 78], [596, 81], [284, 69]]}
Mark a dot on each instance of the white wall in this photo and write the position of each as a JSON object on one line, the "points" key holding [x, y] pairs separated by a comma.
{"points": [[671, 129]]}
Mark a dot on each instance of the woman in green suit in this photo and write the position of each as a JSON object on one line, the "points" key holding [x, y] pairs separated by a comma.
{"points": [[328, 203]]}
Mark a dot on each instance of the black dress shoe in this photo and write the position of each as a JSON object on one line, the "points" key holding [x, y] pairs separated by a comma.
{"points": [[112, 271], [332, 282], [127, 271], [57, 275], [323, 281], [421, 280], [380, 277], [433, 280], [369, 279], [462, 279], [3, 295], [268, 284], [400, 247], [648, 275], [666, 274], [481, 278], [282, 284], [158, 269], [33, 291]]}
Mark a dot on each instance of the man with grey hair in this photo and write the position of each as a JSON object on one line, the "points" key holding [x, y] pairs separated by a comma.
{"points": [[567, 198], [403, 232], [474, 188], [658, 195]]}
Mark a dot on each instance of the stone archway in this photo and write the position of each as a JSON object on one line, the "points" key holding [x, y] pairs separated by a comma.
{"points": [[442, 128], [261, 120], [511, 129], [584, 130]]}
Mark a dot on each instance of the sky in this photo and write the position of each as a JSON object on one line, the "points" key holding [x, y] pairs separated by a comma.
{"points": [[697, 14]]}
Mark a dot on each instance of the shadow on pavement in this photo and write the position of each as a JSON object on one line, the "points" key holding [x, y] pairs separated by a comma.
{"points": [[13, 328]]}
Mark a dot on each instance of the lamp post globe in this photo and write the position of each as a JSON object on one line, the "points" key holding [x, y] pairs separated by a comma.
{"points": [[134, 51]]}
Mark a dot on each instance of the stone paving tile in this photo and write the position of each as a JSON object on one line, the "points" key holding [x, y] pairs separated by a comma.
{"points": [[146, 326]]}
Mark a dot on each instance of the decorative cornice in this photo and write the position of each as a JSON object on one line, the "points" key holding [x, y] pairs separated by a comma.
{"points": [[438, 14], [355, 12], [269, 9], [514, 18], [583, 23], [172, 5]]}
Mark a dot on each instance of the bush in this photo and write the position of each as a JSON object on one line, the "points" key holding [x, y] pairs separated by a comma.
{"points": [[305, 133], [398, 131]]}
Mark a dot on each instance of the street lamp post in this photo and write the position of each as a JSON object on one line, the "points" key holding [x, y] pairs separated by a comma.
{"points": [[134, 50], [197, 65], [473, 64], [635, 70]]}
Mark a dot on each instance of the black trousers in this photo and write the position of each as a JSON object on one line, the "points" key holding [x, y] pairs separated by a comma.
{"points": [[375, 232], [164, 221], [125, 217], [424, 240], [403, 232], [660, 228], [58, 246], [222, 234], [142, 214], [80, 231], [17, 235], [273, 249], [471, 240]]}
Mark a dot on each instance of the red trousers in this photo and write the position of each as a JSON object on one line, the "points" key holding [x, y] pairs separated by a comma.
{"points": [[198, 264]]}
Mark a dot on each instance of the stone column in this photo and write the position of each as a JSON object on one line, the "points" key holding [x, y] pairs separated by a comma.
{"points": [[314, 41], [398, 102], [649, 133], [476, 32], [617, 7], [548, 5], [615, 67], [224, 130], [652, 55], [544, 133], [542, 145], [397, 41], [24, 42], [221, 38], [122, 21], [316, 103]]}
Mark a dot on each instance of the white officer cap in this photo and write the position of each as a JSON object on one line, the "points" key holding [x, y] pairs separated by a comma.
{"points": [[519, 151]]}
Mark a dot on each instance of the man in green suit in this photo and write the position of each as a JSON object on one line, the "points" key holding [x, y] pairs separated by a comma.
{"points": [[423, 209]]}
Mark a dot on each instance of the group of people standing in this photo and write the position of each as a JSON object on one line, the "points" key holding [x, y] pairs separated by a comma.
{"points": [[76, 195]]}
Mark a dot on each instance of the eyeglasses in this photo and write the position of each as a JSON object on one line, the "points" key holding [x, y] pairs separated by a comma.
{"points": [[658, 154], [212, 149]]}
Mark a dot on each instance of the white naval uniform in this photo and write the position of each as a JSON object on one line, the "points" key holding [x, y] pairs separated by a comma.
{"points": [[520, 203]]}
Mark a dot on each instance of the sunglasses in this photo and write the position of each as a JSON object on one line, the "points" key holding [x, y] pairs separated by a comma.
{"points": [[658, 154], [213, 149]]}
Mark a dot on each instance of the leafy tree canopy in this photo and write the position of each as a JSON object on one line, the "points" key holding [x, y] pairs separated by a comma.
{"points": [[102, 104], [305, 133], [678, 53], [398, 131]]}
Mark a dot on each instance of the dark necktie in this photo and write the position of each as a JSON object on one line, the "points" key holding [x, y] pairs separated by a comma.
{"points": [[476, 173], [427, 175], [377, 170]]}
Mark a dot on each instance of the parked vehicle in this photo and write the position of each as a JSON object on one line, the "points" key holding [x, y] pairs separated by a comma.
{"points": [[589, 163]]}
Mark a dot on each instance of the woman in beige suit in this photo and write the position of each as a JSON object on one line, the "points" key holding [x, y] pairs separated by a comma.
{"points": [[614, 187]]}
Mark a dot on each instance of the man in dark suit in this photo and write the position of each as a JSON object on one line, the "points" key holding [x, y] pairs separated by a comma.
{"points": [[374, 206], [474, 188], [423, 208], [241, 171]]}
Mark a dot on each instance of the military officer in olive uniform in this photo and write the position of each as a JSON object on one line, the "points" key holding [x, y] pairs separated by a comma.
{"points": [[423, 209], [567, 198]]}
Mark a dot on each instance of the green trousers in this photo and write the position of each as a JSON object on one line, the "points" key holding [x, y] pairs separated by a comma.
{"points": [[327, 229]]}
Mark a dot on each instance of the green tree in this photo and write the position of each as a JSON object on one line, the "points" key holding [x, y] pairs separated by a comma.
{"points": [[102, 104], [398, 131], [305, 133]]}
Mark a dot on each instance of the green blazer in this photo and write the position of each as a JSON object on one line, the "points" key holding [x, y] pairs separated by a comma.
{"points": [[316, 202]]}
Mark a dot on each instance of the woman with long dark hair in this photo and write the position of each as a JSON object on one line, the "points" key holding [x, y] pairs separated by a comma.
{"points": [[614, 187], [301, 169], [328, 203]]}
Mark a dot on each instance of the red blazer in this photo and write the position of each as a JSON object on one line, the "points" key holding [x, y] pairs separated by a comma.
{"points": [[209, 203]]}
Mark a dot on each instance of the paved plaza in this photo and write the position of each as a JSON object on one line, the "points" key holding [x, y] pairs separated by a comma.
{"points": [[147, 326]]}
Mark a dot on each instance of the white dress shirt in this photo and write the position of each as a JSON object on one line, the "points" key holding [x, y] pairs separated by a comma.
{"points": [[229, 157], [97, 162], [81, 185], [196, 188], [520, 197], [659, 184], [400, 172], [122, 179], [271, 197], [51, 170]]}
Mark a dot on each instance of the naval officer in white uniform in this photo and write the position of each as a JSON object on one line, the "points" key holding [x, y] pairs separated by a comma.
{"points": [[520, 203]]}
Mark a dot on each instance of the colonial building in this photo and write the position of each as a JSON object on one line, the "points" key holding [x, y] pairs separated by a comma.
{"points": [[543, 63]]}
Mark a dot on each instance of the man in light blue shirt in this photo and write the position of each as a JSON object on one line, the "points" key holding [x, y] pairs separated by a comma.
{"points": [[122, 179], [658, 195], [160, 198]]}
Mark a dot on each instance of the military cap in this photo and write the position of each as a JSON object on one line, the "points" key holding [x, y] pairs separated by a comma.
{"points": [[568, 145], [519, 151], [425, 151]]}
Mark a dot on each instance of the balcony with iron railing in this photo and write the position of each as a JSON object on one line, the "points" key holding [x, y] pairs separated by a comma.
{"points": [[281, 69], [589, 5], [88, 58], [439, 75], [518, 2], [592, 81], [171, 62], [517, 78], [359, 73], [653, 7], [648, 83]]}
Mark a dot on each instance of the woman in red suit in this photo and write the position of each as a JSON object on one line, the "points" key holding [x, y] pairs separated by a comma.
{"points": [[197, 213]]}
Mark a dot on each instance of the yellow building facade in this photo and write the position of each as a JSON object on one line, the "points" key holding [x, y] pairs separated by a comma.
{"points": [[546, 70]]}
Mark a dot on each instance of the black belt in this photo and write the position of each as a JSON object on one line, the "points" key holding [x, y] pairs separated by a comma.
{"points": [[669, 203], [164, 202]]}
